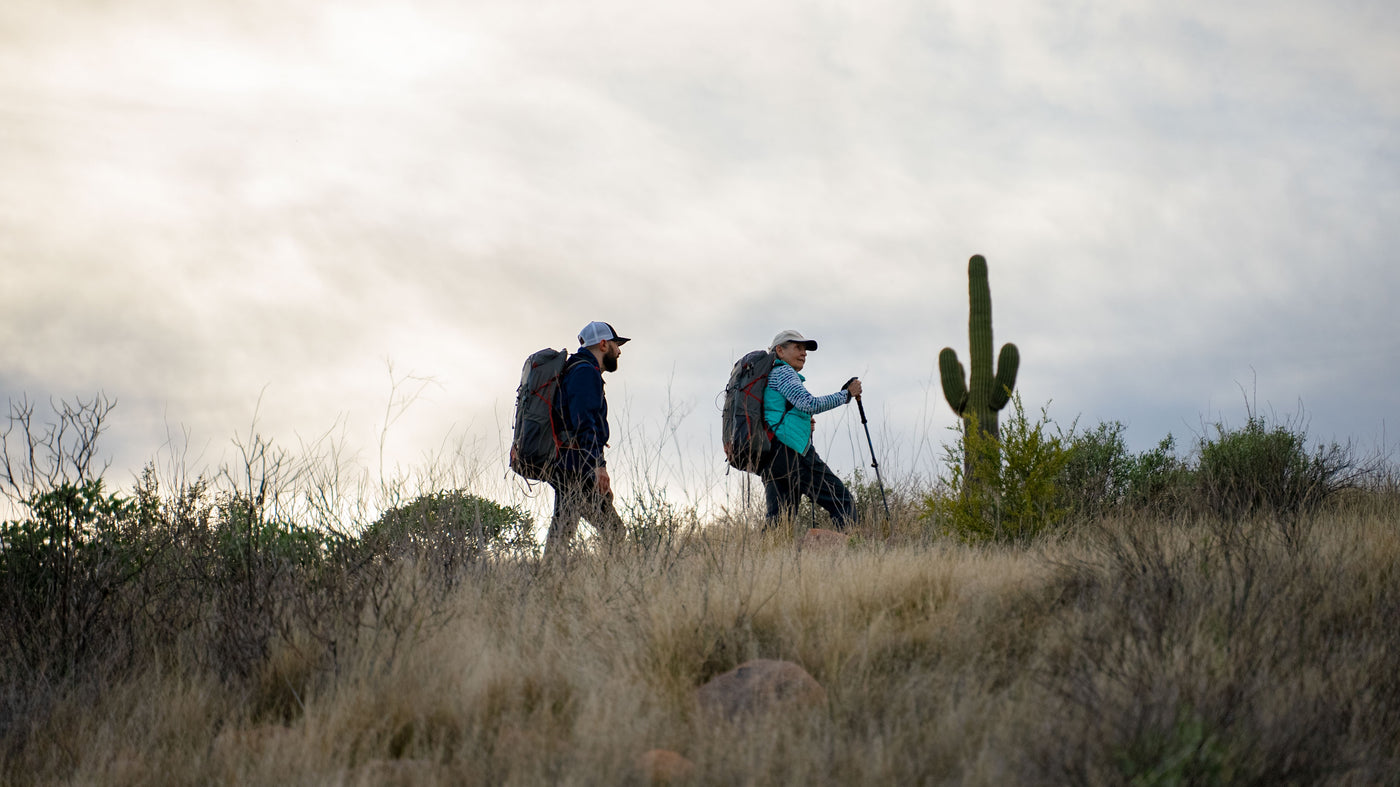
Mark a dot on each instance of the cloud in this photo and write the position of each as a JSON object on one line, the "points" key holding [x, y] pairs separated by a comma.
{"points": [[224, 202]]}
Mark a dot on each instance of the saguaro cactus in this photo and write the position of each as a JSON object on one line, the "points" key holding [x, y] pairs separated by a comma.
{"points": [[979, 398]]}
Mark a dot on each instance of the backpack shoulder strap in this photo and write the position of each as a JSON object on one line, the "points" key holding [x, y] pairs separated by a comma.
{"points": [[787, 408], [571, 365]]}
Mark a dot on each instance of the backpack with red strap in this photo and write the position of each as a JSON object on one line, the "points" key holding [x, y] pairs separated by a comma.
{"points": [[540, 431], [747, 438]]}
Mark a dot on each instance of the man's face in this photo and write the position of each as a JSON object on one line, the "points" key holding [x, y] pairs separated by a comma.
{"points": [[794, 354], [611, 352]]}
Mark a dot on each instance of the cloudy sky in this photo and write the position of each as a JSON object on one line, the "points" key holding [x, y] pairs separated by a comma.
{"points": [[228, 213]]}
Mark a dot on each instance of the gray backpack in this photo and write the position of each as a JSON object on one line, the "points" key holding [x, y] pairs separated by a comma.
{"points": [[747, 438], [540, 430]]}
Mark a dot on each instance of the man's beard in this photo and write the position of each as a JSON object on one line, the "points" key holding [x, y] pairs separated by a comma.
{"points": [[609, 362]]}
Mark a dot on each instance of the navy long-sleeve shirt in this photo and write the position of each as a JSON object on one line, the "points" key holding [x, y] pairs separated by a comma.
{"points": [[584, 409]]}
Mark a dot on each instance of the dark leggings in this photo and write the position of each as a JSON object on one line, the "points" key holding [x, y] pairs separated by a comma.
{"points": [[789, 476]]}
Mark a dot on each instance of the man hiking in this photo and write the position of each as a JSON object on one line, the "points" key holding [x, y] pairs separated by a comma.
{"points": [[581, 484], [788, 407]]}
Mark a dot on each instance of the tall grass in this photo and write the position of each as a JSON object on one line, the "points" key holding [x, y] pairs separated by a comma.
{"points": [[1135, 646], [1149, 651]]}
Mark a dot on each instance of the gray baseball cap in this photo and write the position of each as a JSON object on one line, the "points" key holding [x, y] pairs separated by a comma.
{"points": [[792, 336]]}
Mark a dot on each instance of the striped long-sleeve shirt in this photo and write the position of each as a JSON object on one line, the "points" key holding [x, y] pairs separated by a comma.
{"points": [[789, 406]]}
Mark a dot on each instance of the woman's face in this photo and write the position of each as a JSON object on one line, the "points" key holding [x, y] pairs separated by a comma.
{"points": [[794, 354]]}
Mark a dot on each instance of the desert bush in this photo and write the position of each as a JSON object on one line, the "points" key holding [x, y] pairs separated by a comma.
{"points": [[215, 574], [1256, 469], [1101, 476], [175, 589], [1214, 652], [1096, 473], [1264, 468], [67, 560], [1158, 480], [655, 523], [404, 568], [267, 579], [903, 498], [1145, 650], [1141, 648], [63, 568], [242, 536], [455, 526], [1017, 494], [37, 457]]}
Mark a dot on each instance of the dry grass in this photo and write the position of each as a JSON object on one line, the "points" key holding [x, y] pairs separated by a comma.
{"points": [[1133, 651]]}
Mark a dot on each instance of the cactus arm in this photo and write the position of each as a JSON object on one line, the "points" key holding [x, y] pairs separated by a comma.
{"points": [[953, 376], [1008, 362]]}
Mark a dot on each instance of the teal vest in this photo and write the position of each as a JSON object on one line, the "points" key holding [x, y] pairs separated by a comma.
{"points": [[792, 427]]}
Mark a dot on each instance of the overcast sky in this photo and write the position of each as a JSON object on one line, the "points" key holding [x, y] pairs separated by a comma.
{"points": [[222, 210]]}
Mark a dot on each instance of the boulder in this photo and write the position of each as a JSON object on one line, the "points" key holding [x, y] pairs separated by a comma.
{"points": [[663, 766], [822, 540], [760, 686]]}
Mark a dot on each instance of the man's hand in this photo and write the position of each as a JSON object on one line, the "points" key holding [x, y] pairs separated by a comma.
{"points": [[604, 483], [853, 385]]}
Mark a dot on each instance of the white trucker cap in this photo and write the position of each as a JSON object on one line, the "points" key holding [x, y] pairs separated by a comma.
{"points": [[595, 332]]}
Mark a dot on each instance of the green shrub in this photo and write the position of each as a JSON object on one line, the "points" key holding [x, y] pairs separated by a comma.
{"points": [[1268, 469], [1158, 480], [1014, 494], [880, 503], [243, 533], [655, 523], [1032, 479], [1101, 475], [1189, 751], [1097, 472], [61, 569], [458, 525]]}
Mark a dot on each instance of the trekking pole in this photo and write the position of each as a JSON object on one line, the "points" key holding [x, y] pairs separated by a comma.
{"points": [[873, 462]]}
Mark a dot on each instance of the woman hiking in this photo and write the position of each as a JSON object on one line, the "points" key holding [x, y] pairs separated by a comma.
{"points": [[788, 407]]}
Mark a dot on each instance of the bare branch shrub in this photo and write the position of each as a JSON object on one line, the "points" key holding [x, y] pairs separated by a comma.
{"points": [[38, 457], [1215, 653]]}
